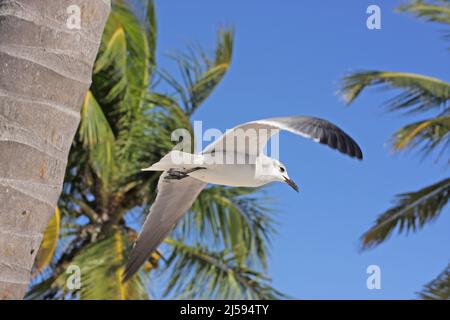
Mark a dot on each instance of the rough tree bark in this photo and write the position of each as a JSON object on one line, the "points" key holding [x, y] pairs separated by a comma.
{"points": [[45, 70]]}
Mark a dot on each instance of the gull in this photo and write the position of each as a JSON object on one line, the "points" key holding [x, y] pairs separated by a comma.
{"points": [[182, 181]]}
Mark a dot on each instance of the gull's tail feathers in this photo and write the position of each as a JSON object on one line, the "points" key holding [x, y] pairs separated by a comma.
{"points": [[177, 159]]}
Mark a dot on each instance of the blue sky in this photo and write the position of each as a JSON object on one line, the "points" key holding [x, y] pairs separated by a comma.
{"points": [[288, 59]]}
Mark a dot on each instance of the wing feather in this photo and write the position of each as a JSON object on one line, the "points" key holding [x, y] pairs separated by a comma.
{"points": [[317, 129], [174, 199]]}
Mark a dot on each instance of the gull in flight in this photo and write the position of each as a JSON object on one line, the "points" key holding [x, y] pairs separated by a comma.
{"points": [[182, 181]]}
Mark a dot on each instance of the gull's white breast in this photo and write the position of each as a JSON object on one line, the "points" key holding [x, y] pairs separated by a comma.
{"points": [[238, 170]]}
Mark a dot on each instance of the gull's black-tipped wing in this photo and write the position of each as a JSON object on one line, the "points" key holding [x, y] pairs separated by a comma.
{"points": [[255, 134], [173, 200]]}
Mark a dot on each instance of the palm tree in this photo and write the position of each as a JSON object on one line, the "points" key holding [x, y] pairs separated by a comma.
{"points": [[218, 251], [45, 69], [419, 94]]}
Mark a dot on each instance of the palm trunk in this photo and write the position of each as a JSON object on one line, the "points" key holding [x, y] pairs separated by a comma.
{"points": [[45, 70]]}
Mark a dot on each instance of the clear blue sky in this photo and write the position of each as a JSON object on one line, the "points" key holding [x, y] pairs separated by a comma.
{"points": [[288, 59]]}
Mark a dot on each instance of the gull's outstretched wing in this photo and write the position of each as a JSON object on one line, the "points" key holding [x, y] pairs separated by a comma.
{"points": [[174, 198], [251, 137]]}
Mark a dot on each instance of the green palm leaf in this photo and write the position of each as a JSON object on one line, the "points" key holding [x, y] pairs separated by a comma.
{"points": [[201, 73], [201, 273], [439, 11], [151, 31], [48, 244], [426, 135], [114, 52], [97, 137], [412, 211], [421, 93], [101, 265], [234, 219], [439, 288], [127, 56], [42, 290]]}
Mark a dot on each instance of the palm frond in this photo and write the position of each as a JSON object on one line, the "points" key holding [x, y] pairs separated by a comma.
{"points": [[114, 52], [436, 11], [42, 290], [413, 211], [173, 112], [200, 73], [234, 219], [44, 284], [439, 288], [101, 264], [421, 93], [126, 61], [97, 137], [48, 244], [426, 135], [152, 30], [197, 272]]}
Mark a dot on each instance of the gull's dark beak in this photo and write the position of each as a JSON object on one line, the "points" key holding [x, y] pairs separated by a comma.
{"points": [[292, 184]]}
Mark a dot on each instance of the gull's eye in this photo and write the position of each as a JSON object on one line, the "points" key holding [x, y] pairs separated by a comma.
{"points": [[282, 169]]}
